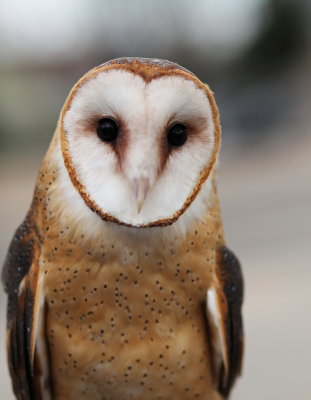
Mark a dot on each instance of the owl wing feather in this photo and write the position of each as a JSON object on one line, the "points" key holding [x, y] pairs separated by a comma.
{"points": [[25, 315], [223, 310]]}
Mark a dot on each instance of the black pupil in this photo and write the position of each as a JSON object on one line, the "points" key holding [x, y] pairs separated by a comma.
{"points": [[107, 130], [177, 135]]}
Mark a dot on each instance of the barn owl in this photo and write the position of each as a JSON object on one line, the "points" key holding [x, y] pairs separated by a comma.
{"points": [[120, 285]]}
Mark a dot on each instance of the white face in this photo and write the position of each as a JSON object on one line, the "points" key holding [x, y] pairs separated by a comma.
{"points": [[139, 178]]}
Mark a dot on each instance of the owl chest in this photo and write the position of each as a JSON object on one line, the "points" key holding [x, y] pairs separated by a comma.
{"points": [[115, 326]]}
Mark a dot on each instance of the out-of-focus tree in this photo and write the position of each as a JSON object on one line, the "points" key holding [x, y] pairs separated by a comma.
{"points": [[281, 39]]}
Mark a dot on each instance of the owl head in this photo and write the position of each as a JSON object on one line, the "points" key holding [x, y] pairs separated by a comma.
{"points": [[139, 139]]}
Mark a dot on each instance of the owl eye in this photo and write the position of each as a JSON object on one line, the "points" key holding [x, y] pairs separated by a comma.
{"points": [[177, 135], [107, 130]]}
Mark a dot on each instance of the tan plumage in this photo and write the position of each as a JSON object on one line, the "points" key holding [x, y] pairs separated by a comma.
{"points": [[101, 307]]}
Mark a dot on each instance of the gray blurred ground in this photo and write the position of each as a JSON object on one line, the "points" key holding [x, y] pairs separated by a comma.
{"points": [[266, 199]]}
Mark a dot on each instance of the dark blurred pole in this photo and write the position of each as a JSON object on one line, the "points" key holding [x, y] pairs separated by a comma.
{"points": [[281, 40]]}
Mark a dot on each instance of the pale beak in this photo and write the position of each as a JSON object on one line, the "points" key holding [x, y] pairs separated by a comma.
{"points": [[140, 188]]}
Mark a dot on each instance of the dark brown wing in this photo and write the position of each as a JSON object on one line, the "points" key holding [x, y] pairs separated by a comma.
{"points": [[25, 310], [224, 302]]}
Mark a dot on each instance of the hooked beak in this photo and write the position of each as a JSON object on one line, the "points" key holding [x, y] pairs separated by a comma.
{"points": [[140, 189]]}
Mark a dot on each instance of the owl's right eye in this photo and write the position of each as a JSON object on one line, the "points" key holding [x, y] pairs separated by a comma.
{"points": [[107, 130]]}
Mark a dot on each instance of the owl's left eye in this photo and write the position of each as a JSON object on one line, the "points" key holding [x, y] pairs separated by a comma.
{"points": [[107, 130], [177, 135]]}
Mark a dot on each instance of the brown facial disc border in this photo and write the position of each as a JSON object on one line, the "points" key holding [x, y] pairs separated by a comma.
{"points": [[148, 69]]}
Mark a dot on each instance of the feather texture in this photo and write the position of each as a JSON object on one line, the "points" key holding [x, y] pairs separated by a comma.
{"points": [[224, 302], [25, 314]]}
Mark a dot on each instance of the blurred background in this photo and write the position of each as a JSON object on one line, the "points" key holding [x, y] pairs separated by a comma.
{"points": [[255, 55]]}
